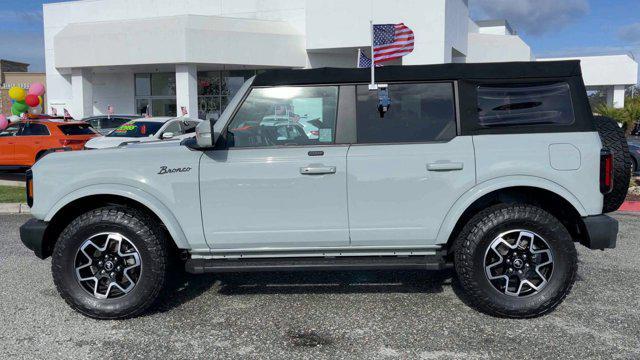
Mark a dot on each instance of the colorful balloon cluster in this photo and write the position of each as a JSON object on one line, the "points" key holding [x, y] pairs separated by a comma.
{"points": [[24, 101]]}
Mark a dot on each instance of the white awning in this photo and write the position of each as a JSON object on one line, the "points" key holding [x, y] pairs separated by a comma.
{"points": [[180, 39]]}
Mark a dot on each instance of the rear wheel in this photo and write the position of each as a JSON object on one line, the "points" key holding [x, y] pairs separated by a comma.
{"points": [[515, 261], [613, 139], [110, 263]]}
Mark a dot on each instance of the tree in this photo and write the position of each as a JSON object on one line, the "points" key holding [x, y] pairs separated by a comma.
{"points": [[628, 116]]}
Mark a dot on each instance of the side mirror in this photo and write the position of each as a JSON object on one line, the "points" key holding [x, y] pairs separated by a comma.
{"points": [[167, 136], [204, 135]]}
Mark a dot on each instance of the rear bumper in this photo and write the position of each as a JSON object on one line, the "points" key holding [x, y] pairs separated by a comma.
{"points": [[32, 236], [602, 232]]}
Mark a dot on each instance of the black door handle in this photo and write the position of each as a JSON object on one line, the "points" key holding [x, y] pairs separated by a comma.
{"points": [[315, 153]]}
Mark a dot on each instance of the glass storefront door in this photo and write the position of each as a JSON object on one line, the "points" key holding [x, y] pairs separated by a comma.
{"points": [[156, 94]]}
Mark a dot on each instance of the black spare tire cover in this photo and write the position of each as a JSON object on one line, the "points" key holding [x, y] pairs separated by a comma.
{"points": [[613, 139]]}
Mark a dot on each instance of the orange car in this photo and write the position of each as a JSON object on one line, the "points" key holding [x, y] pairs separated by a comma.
{"points": [[25, 142]]}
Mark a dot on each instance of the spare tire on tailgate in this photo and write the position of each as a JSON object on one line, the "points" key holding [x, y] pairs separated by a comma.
{"points": [[613, 139]]}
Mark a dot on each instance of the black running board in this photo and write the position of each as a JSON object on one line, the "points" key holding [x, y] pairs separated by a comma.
{"points": [[202, 266]]}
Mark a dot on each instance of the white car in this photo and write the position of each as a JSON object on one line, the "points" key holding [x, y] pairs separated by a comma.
{"points": [[146, 130], [311, 126]]}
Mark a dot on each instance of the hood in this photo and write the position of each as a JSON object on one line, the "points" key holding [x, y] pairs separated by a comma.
{"points": [[105, 142]]}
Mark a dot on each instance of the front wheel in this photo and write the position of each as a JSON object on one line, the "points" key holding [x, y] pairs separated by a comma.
{"points": [[515, 261], [110, 263]]}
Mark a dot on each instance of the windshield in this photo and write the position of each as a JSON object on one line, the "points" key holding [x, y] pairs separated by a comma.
{"points": [[137, 129]]}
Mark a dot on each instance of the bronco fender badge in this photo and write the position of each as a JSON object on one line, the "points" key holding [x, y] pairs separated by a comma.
{"points": [[165, 170]]}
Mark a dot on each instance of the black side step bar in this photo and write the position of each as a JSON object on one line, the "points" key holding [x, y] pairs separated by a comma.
{"points": [[202, 266]]}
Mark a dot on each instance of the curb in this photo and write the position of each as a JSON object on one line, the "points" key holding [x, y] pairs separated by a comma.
{"points": [[630, 206], [14, 209]]}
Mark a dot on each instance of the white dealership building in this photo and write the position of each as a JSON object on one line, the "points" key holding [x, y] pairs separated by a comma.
{"points": [[163, 55]]}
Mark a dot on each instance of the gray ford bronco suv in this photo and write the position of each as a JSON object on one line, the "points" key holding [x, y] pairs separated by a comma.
{"points": [[496, 170]]}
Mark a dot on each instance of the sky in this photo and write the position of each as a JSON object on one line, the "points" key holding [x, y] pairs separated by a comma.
{"points": [[551, 27]]}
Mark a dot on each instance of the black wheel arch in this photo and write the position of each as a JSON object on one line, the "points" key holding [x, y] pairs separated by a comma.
{"points": [[80, 206], [547, 200]]}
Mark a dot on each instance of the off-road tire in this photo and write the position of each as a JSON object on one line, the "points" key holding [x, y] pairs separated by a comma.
{"points": [[147, 237], [613, 138], [474, 240]]}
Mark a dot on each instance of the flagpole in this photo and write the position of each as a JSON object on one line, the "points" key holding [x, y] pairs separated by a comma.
{"points": [[372, 86], [358, 58]]}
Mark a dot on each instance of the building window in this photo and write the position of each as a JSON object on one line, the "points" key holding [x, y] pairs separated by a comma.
{"points": [[216, 88], [156, 94]]}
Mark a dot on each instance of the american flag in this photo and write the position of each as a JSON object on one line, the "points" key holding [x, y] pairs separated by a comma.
{"points": [[364, 61], [392, 42], [66, 114]]}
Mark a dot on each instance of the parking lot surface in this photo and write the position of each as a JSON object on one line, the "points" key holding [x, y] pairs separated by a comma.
{"points": [[360, 315]]}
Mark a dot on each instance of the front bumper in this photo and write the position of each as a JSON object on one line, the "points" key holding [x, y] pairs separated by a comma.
{"points": [[601, 232], [32, 236]]}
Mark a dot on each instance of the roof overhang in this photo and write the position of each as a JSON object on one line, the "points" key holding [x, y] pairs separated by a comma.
{"points": [[180, 39], [605, 70]]}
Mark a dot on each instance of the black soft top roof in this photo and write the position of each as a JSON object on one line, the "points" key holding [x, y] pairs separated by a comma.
{"points": [[485, 71]]}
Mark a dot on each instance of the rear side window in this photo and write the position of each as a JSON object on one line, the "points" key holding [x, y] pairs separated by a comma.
{"points": [[532, 104], [31, 129], [77, 129], [11, 130], [418, 113]]}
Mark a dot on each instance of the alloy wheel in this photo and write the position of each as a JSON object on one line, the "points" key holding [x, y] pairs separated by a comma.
{"points": [[519, 263], [108, 265]]}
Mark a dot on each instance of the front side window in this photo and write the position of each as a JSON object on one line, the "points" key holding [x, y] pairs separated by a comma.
{"points": [[31, 129], [532, 104], [418, 113], [285, 116]]}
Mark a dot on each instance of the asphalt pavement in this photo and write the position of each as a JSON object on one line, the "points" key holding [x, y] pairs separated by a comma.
{"points": [[347, 315]]}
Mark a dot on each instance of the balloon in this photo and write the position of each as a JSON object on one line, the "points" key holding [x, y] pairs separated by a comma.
{"points": [[4, 122], [36, 89], [20, 107], [40, 100], [15, 111], [14, 118], [17, 94], [32, 100]]}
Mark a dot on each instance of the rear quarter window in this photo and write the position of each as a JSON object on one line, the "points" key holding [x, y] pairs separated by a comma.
{"points": [[77, 129], [529, 104]]}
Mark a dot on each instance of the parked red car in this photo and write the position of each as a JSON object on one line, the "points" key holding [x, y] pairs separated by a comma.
{"points": [[25, 142]]}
